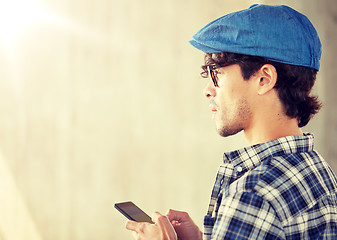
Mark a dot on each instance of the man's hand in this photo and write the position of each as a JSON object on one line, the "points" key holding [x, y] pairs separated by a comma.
{"points": [[161, 230], [184, 226]]}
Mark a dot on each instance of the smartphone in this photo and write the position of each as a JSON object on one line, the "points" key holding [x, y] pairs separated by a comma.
{"points": [[132, 212]]}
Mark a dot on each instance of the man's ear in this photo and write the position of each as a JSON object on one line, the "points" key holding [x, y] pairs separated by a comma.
{"points": [[267, 78]]}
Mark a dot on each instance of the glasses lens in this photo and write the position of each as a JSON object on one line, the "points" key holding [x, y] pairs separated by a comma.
{"points": [[213, 76]]}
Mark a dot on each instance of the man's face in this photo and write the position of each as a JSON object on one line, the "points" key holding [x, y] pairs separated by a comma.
{"points": [[230, 103]]}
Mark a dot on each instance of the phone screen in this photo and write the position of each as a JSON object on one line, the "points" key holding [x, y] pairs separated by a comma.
{"points": [[132, 212]]}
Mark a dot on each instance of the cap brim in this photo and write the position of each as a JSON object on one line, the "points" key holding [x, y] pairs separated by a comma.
{"points": [[203, 47]]}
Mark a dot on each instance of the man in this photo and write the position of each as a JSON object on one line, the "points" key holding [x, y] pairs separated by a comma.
{"points": [[263, 63]]}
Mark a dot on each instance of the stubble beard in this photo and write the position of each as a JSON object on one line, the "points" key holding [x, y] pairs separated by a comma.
{"points": [[231, 125]]}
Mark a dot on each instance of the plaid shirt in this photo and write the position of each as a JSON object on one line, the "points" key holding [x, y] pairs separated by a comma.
{"points": [[281, 189]]}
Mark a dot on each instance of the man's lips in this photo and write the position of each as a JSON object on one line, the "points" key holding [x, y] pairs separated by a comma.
{"points": [[213, 109], [212, 106]]}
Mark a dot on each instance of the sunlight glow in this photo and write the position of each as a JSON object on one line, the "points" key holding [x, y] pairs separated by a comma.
{"points": [[16, 15], [24, 24]]}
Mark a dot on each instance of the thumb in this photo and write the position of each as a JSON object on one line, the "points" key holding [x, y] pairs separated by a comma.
{"points": [[178, 216]]}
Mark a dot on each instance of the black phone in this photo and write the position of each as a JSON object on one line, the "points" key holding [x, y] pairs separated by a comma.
{"points": [[132, 212]]}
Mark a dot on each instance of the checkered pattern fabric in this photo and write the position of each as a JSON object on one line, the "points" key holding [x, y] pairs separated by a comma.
{"points": [[281, 189]]}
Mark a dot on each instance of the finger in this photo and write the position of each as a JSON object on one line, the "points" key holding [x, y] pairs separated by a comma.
{"points": [[155, 216], [131, 225], [138, 227], [172, 215], [164, 224], [177, 215]]}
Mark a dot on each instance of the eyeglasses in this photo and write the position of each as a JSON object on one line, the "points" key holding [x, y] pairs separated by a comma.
{"points": [[214, 75]]}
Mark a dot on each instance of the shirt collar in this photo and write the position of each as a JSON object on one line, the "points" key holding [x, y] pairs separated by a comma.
{"points": [[247, 158]]}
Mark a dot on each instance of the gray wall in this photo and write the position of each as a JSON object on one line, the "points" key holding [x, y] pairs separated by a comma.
{"points": [[101, 101]]}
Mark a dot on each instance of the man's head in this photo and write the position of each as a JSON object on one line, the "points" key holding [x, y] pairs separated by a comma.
{"points": [[273, 38]]}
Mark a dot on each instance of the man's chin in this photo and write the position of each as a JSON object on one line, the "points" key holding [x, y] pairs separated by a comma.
{"points": [[226, 132]]}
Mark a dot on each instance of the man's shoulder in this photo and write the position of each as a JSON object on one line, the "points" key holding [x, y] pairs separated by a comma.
{"points": [[291, 183]]}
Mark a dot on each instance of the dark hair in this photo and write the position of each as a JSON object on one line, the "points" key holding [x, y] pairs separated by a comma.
{"points": [[294, 83]]}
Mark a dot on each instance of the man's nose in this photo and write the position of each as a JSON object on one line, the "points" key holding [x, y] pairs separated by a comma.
{"points": [[209, 90]]}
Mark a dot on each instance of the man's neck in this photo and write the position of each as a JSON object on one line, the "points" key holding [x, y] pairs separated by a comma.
{"points": [[266, 131]]}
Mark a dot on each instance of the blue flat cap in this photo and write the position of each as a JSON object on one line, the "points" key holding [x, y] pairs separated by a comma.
{"points": [[277, 33]]}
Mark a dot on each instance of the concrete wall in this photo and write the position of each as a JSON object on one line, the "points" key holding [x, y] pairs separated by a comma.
{"points": [[101, 101]]}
